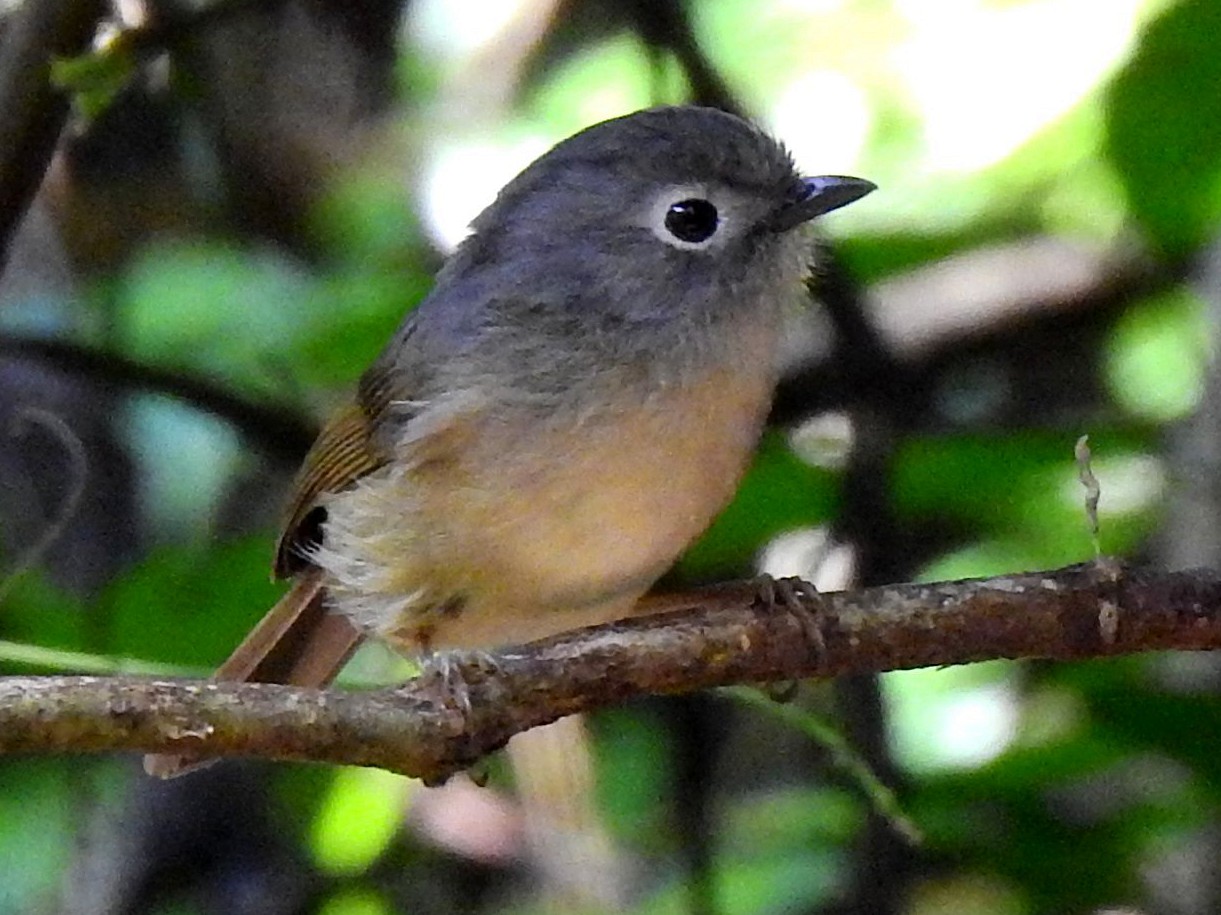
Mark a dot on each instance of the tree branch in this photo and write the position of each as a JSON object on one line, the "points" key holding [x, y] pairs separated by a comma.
{"points": [[724, 636], [276, 431], [32, 110]]}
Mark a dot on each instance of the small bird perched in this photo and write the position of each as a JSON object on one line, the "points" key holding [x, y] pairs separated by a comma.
{"points": [[564, 414]]}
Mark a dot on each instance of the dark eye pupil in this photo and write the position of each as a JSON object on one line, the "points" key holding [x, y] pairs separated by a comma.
{"points": [[692, 220]]}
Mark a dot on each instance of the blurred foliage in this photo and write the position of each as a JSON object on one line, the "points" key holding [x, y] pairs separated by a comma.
{"points": [[1164, 136], [1039, 788]]}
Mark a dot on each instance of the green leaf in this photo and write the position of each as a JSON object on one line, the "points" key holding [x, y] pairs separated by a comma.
{"points": [[1157, 356], [635, 762], [94, 79], [1164, 127], [189, 606], [218, 310], [332, 352], [363, 810], [38, 814], [771, 885], [356, 901], [604, 79], [366, 218], [35, 612]]}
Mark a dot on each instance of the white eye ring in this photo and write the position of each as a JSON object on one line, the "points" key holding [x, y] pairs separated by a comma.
{"points": [[686, 217]]}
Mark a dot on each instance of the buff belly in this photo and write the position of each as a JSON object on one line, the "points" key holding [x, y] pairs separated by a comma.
{"points": [[509, 536]]}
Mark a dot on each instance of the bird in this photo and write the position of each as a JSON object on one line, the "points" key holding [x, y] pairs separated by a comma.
{"points": [[565, 412]]}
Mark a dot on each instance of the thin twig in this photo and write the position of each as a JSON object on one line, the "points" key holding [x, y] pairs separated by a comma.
{"points": [[77, 476], [1093, 489]]}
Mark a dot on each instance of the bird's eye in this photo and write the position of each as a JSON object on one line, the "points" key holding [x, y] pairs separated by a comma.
{"points": [[692, 221]]}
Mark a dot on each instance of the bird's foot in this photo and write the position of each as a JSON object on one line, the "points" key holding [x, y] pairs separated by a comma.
{"points": [[448, 675], [448, 671], [798, 598]]}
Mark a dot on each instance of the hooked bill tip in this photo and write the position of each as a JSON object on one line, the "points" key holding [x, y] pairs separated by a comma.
{"points": [[820, 195]]}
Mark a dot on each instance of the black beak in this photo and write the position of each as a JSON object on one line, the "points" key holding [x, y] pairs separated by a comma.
{"points": [[816, 196]]}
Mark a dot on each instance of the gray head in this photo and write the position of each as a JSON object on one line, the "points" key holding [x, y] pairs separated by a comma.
{"points": [[643, 205], [625, 245]]}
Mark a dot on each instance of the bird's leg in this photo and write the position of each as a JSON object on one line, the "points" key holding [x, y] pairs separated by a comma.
{"points": [[799, 599], [446, 670]]}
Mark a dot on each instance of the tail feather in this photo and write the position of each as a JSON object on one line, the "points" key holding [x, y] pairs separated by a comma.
{"points": [[297, 642]]}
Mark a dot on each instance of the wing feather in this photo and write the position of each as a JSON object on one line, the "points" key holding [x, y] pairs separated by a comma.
{"points": [[346, 450]]}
